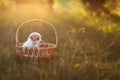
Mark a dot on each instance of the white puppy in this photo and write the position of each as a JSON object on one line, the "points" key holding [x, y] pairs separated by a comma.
{"points": [[33, 40]]}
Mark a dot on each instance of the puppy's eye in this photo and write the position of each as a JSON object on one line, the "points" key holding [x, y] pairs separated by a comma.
{"points": [[37, 38]]}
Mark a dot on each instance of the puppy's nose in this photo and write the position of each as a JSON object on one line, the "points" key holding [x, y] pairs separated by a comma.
{"points": [[41, 41]]}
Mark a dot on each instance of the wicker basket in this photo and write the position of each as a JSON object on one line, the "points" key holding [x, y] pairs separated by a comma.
{"points": [[44, 51]]}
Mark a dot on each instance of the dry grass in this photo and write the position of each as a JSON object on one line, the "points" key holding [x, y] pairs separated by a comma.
{"points": [[88, 49]]}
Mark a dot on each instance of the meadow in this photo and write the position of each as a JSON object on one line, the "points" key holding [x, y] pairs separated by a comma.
{"points": [[88, 47]]}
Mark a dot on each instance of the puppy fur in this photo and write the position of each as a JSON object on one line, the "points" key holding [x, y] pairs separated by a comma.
{"points": [[33, 40]]}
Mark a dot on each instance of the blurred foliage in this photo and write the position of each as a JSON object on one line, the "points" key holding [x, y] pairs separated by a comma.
{"points": [[89, 39]]}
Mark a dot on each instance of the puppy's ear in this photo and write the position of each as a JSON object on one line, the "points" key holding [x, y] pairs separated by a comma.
{"points": [[31, 38]]}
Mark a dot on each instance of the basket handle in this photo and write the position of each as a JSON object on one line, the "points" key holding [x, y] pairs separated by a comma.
{"points": [[41, 20]]}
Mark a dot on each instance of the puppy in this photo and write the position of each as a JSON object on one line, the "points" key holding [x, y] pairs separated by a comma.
{"points": [[33, 40]]}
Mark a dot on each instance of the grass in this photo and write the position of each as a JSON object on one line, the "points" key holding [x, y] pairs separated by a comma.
{"points": [[88, 49]]}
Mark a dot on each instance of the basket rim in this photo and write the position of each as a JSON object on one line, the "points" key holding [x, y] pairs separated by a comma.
{"points": [[53, 47], [39, 20]]}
